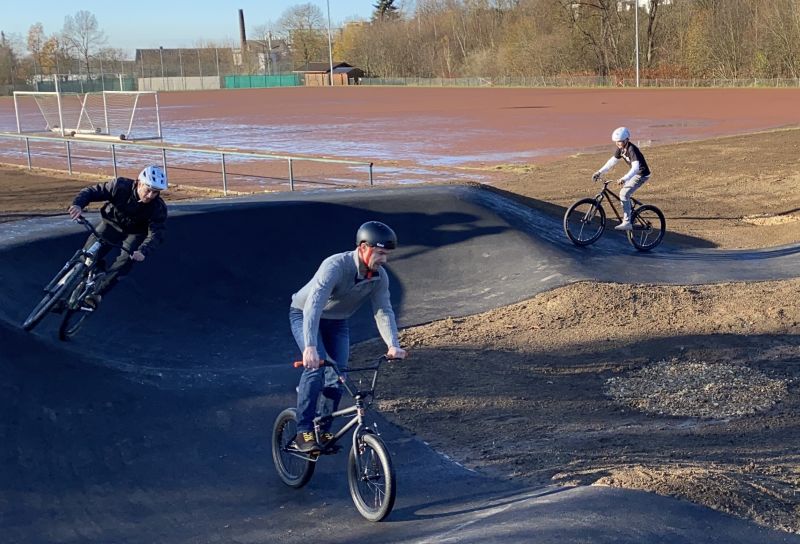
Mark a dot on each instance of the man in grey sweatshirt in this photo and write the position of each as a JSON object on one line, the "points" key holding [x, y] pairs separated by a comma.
{"points": [[318, 317]]}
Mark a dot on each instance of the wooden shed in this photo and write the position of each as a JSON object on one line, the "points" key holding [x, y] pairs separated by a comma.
{"points": [[317, 74]]}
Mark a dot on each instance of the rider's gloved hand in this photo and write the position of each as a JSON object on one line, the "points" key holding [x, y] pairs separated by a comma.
{"points": [[74, 211], [137, 256], [620, 181], [596, 176]]}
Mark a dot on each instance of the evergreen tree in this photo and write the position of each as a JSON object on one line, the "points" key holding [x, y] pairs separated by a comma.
{"points": [[385, 10]]}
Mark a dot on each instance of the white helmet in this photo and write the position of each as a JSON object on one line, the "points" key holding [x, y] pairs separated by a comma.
{"points": [[154, 177], [620, 134]]}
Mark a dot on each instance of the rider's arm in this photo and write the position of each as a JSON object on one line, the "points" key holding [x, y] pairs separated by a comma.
{"points": [[101, 192], [384, 314], [609, 165], [155, 231], [632, 172], [321, 287]]}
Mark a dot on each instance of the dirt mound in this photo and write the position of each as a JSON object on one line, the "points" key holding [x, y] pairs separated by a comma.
{"points": [[687, 391]]}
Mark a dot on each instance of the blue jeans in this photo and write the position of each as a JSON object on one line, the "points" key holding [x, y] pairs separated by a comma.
{"points": [[333, 344]]}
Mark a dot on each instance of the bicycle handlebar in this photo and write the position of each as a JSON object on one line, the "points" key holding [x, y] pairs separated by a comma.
{"points": [[81, 220], [382, 358]]}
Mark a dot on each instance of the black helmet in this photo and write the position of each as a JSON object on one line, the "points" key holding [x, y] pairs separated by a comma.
{"points": [[376, 234]]}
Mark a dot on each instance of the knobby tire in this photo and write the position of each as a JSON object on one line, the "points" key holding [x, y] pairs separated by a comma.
{"points": [[293, 470], [71, 278], [584, 222], [371, 478]]}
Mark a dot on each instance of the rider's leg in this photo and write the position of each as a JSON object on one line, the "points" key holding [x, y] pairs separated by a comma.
{"points": [[335, 335], [312, 382], [121, 265], [625, 194]]}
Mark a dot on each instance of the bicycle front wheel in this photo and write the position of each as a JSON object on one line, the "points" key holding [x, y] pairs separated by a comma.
{"points": [[649, 227], [65, 285], [370, 475], [585, 222], [72, 321], [293, 468]]}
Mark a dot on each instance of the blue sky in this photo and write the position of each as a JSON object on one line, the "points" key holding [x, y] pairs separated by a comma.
{"points": [[170, 23]]}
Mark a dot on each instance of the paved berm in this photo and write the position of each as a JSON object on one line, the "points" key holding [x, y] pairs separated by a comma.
{"points": [[688, 391]]}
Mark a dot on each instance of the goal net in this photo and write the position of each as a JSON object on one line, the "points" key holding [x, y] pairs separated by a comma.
{"points": [[125, 115]]}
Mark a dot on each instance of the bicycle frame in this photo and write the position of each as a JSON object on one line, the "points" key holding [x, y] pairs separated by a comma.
{"points": [[607, 194], [362, 398], [370, 474], [89, 256], [69, 287]]}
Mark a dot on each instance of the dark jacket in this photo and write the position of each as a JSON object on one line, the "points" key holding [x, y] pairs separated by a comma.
{"points": [[125, 212]]}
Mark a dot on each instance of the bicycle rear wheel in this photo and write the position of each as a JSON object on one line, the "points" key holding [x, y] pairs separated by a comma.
{"points": [[66, 284], [370, 475], [649, 227], [293, 467], [585, 222]]}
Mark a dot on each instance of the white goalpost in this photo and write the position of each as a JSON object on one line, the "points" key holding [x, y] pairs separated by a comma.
{"points": [[123, 115]]}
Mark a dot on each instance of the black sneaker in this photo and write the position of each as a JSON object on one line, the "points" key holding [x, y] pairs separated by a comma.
{"points": [[92, 300], [324, 438], [306, 443]]}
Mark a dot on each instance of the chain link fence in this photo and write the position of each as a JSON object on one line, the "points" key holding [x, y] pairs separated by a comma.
{"points": [[575, 81], [152, 69], [164, 69]]}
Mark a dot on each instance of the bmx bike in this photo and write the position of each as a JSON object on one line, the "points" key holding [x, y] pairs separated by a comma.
{"points": [[66, 293], [370, 473], [585, 220]]}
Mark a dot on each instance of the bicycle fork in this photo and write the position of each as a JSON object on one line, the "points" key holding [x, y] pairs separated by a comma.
{"points": [[589, 217]]}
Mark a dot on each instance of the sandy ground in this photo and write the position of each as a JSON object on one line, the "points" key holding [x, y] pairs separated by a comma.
{"points": [[687, 391]]}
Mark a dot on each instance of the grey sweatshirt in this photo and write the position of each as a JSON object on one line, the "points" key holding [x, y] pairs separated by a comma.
{"points": [[337, 292]]}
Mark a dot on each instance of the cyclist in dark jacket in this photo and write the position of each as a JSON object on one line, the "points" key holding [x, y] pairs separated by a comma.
{"points": [[134, 215]]}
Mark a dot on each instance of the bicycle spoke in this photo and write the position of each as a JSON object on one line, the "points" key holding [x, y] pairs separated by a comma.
{"points": [[648, 228], [584, 222], [294, 468], [371, 480]]}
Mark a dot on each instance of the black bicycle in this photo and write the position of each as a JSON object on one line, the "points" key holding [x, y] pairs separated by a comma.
{"points": [[585, 220], [67, 291], [370, 474]]}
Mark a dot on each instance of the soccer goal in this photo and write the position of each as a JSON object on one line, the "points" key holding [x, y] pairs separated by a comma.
{"points": [[123, 115]]}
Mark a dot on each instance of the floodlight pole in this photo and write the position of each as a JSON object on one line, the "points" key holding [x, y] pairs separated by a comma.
{"points": [[636, 11], [161, 54], [330, 47]]}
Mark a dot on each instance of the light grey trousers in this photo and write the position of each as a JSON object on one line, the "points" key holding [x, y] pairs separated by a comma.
{"points": [[627, 191]]}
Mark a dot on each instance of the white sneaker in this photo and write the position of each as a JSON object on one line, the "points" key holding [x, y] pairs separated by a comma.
{"points": [[625, 225]]}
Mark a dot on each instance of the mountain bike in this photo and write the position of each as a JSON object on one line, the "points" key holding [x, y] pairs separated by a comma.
{"points": [[370, 473], [67, 291], [585, 220]]}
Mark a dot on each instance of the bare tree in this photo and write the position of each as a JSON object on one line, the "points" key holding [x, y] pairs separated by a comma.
{"points": [[35, 42], [303, 26], [53, 56], [8, 61], [82, 34], [652, 25], [781, 18]]}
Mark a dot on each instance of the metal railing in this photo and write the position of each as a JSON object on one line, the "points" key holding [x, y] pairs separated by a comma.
{"points": [[222, 154]]}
